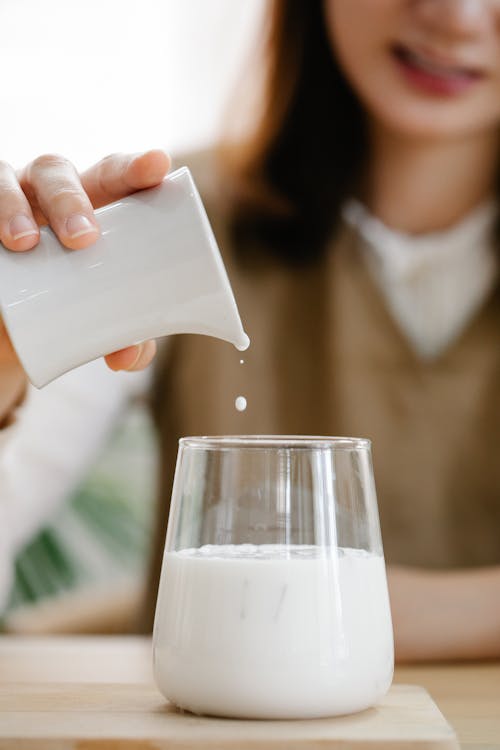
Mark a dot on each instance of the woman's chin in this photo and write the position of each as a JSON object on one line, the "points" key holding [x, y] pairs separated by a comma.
{"points": [[418, 121]]}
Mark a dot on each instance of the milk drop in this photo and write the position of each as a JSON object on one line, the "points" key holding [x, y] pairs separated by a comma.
{"points": [[245, 343], [240, 403]]}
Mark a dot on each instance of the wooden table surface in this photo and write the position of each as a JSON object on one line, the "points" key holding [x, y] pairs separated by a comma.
{"points": [[468, 695]]}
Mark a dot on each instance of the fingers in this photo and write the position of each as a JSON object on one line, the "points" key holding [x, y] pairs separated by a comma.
{"points": [[133, 357], [52, 183], [58, 196], [18, 229], [119, 175]]}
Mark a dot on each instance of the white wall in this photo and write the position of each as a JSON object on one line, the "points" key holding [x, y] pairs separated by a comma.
{"points": [[89, 77]]}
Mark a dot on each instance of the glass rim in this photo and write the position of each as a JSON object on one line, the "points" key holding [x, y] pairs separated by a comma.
{"points": [[267, 442]]}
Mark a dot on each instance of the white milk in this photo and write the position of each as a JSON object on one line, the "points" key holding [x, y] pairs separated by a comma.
{"points": [[240, 403], [273, 631]]}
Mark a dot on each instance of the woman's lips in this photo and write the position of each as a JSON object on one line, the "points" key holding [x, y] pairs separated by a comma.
{"points": [[433, 77]]}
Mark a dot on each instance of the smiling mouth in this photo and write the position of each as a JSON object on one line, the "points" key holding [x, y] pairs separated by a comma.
{"points": [[428, 72]]}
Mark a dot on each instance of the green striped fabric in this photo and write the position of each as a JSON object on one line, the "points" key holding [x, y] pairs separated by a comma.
{"points": [[102, 533]]}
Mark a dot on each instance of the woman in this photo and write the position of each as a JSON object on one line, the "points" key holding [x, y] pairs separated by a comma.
{"points": [[358, 227]]}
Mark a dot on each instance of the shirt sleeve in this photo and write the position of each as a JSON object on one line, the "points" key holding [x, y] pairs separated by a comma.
{"points": [[47, 451]]}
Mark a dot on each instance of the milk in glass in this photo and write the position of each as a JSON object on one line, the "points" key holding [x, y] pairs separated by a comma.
{"points": [[273, 631]]}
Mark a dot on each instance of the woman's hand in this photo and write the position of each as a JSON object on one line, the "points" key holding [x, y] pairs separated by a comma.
{"points": [[445, 614], [49, 190]]}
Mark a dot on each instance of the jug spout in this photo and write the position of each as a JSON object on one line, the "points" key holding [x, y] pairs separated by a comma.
{"points": [[233, 334], [225, 323], [213, 315], [244, 343], [196, 282]]}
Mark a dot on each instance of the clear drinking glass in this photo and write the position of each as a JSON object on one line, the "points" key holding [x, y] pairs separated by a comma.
{"points": [[273, 598]]}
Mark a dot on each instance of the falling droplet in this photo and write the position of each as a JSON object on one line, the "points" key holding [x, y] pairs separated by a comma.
{"points": [[242, 361], [241, 403]]}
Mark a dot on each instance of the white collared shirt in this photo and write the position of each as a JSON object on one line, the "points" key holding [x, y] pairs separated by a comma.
{"points": [[432, 284]]}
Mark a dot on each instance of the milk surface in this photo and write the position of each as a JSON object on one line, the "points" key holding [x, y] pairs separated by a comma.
{"points": [[273, 631]]}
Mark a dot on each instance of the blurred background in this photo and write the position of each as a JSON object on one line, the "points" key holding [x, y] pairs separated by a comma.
{"points": [[99, 77], [118, 75]]}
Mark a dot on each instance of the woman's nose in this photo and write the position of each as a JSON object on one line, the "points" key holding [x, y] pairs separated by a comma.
{"points": [[461, 18]]}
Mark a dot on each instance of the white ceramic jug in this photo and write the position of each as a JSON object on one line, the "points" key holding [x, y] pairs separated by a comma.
{"points": [[155, 270]]}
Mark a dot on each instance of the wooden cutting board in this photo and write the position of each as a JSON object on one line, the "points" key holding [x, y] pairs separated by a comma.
{"points": [[136, 717]]}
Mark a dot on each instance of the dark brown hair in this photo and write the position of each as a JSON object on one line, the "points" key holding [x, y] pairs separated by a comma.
{"points": [[306, 151]]}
